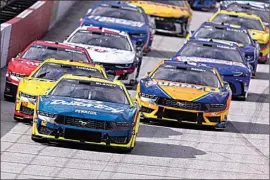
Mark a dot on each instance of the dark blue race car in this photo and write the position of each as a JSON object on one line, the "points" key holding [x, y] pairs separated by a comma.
{"points": [[205, 5], [231, 34], [124, 17], [227, 59]]}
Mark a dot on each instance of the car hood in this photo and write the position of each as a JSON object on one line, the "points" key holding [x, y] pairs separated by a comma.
{"points": [[261, 36], [182, 91], [161, 10], [23, 66], [86, 108], [35, 86], [224, 67], [107, 55], [115, 23]]}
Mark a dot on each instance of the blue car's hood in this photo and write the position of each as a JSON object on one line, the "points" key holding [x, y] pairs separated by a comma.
{"points": [[223, 67], [114, 23], [86, 108]]}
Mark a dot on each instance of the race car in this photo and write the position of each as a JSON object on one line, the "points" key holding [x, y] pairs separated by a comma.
{"points": [[227, 33], [34, 54], [44, 77], [205, 5], [123, 17], [257, 3], [186, 92], [112, 49], [171, 17], [227, 59], [254, 25], [87, 110], [263, 13]]}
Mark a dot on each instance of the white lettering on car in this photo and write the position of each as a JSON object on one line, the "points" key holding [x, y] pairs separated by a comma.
{"points": [[97, 105], [118, 21], [85, 112], [176, 85]]}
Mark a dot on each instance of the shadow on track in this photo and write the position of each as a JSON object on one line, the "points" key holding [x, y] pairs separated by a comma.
{"points": [[262, 76], [247, 128]]}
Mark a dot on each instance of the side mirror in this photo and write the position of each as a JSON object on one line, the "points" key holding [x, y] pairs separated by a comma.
{"points": [[138, 48], [192, 32], [226, 85], [18, 54], [148, 73]]}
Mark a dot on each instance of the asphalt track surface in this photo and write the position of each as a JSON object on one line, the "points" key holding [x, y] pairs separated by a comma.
{"points": [[162, 150]]}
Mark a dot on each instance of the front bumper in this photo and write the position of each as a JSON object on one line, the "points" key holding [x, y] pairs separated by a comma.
{"points": [[158, 112], [60, 132], [24, 110], [172, 25], [112, 69]]}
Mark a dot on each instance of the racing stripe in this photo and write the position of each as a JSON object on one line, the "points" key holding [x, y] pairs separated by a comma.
{"points": [[201, 97], [169, 96]]}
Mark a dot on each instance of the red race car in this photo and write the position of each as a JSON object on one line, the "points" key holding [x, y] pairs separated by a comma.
{"points": [[29, 59]]}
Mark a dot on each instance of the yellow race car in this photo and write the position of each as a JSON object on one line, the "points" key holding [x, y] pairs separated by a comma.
{"points": [[43, 78], [186, 92], [87, 110], [253, 23], [172, 17]]}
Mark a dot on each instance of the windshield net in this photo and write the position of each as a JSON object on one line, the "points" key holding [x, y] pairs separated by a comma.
{"points": [[41, 53], [53, 71], [101, 39], [249, 23], [119, 13], [90, 90], [212, 52], [188, 75], [234, 35]]}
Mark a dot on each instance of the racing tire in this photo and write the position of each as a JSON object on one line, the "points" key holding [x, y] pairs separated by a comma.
{"points": [[145, 120], [138, 69], [9, 99]]}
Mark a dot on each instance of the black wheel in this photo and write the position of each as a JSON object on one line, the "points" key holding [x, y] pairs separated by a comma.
{"points": [[8, 98], [126, 150], [145, 120]]}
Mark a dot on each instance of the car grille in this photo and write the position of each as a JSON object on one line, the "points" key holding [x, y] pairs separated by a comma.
{"points": [[27, 111], [116, 66], [181, 104], [75, 134], [214, 119], [168, 23], [119, 139], [179, 115], [85, 123]]}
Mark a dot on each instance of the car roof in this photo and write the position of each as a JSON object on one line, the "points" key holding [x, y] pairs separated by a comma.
{"points": [[176, 61], [102, 29], [74, 63], [120, 4], [58, 44], [89, 78], [225, 25], [240, 14], [228, 45]]}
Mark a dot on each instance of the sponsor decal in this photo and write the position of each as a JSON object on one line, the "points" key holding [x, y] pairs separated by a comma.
{"points": [[225, 47], [85, 112], [118, 21], [31, 63], [81, 103], [237, 30], [69, 50], [86, 68], [175, 84]]}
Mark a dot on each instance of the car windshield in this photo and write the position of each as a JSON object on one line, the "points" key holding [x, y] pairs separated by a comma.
{"points": [[90, 90], [119, 13], [54, 71], [101, 39], [174, 3], [41, 53], [264, 15], [186, 75], [249, 23], [234, 35], [212, 52]]}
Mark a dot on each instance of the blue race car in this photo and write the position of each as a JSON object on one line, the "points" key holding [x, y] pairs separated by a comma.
{"points": [[227, 59], [205, 5], [231, 34], [124, 17], [87, 110]]}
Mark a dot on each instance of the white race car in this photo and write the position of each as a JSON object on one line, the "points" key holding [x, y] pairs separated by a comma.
{"points": [[111, 48]]}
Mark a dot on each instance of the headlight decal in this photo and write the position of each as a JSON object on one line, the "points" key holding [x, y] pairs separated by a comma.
{"points": [[46, 116]]}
